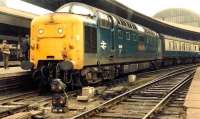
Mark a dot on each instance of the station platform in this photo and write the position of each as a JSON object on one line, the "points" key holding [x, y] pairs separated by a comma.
{"points": [[12, 71], [10, 63], [192, 101]]}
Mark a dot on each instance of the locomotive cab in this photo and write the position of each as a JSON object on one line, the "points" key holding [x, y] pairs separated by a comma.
{"points": [[57, 41], [59, 36]]}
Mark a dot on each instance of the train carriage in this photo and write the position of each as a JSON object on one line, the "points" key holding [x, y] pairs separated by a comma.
{"points": [[180, 49], [79, 42]]}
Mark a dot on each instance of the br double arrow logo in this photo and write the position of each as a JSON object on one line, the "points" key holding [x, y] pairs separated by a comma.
{"points": [[103, 45]]}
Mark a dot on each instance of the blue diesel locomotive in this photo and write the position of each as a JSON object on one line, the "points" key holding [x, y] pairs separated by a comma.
{"points": [[111, 46]]}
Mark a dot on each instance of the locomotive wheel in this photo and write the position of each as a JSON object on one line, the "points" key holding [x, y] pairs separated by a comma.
{"points": [[84, 81], [41, 81]]}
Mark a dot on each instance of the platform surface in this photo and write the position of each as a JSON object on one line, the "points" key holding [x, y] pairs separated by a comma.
{"points": [[192, 102], [10, 63], [12, 71]]}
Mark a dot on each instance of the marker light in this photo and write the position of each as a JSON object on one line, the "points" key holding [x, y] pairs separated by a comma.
{"points": [[60, 30], [41, 31]]}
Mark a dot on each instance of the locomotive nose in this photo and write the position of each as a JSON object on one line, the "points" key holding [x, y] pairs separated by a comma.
{"points": [[51, 42], [56, 38]]}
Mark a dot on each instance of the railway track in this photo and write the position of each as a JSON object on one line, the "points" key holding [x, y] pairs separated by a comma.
{"points": [[25, 101], [166, 69], [144, 101], [10, 82], [21, 102], [174, 108]]}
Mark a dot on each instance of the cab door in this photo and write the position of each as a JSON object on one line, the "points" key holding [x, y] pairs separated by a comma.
{"points": [[112, 40], [120, 42], [106, 36]]}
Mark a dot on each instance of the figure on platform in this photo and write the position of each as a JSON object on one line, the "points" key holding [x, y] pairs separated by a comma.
{"points": [[19, 45], [5, 52], [25, 47]]}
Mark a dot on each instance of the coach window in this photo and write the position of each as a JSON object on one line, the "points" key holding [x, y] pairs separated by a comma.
{"points": [[175, 46], [171, 48], [190, 47], [180, 47], [104, 20], [199, 48], [195, 48], [183, 46], [186, 47], [90, 39]]}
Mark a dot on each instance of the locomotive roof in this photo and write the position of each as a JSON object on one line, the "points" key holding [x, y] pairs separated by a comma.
{"points": [[92, 12]]}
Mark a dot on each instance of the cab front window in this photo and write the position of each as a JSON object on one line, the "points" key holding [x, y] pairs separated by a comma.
{"points": [[77, 9]]}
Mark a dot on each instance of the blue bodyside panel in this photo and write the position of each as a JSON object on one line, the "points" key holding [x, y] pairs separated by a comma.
{"points": [[129, 43], [105, 44]]}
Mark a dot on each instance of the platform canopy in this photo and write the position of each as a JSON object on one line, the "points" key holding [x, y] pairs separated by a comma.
{"points": [[125, 12]]}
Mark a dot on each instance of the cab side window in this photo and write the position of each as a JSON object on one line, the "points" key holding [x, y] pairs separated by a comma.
{"points": [[90, 39]]}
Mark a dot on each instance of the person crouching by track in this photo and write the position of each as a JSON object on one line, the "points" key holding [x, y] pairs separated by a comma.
{"points": [[59, 97], [6, 52]]}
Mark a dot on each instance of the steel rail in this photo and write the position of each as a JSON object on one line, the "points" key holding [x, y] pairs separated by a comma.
{"points": [[160, 70], [126, 94], [158, 106]]}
